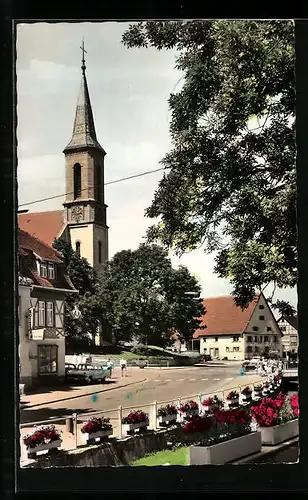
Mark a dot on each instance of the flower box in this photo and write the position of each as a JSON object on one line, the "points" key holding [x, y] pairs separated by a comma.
{"points": [[31, 452], [227, 451], [189, 413], [133, 427], [167, 419], [257, 395], [246, 398], [232, 402], [91, 438], [212, 403], [278, 433], [211, 407]]}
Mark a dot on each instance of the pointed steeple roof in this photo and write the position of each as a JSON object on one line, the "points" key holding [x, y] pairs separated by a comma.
{"points": [[84, 135]]}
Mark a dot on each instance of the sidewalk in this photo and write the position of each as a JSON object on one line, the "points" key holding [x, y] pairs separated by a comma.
{"points": [[133, 376]]}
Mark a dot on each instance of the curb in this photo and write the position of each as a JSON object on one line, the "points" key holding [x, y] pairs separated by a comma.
{"points": [[168, 367], [83, 395], [268, 452]]}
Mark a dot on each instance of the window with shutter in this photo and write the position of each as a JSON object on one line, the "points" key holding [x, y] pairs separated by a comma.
{"points": [[41, 309], [50, 314]]}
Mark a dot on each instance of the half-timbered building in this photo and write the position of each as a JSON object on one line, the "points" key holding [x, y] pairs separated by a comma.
{"points": [[43, 288]]}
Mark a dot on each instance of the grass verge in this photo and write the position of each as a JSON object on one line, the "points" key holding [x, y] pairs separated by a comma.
{"points": [[171, 457]]}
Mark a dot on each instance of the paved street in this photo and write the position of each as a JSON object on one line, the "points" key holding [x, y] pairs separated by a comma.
{"points": [[160, 385]]}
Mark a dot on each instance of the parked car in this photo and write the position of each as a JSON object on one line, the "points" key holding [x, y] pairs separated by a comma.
{"points": [[206, 357], [86, 373], [250, 364]]}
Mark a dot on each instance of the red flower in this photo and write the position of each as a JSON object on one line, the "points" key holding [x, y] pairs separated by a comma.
{"points": [[198, 424], [42, 435], [191, 405], [294, 405], [135, 417]]}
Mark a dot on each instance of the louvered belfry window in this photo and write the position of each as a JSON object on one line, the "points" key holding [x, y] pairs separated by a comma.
{"points": [[77, 180]]}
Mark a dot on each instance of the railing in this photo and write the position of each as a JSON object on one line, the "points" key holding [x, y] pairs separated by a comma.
{"points": [[133, 361], [116, 414]]}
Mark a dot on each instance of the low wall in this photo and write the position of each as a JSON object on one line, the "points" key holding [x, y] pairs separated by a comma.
{"points": [[116, 452]]}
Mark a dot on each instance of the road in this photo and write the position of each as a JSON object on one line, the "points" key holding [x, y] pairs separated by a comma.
{"points": [[161, 385]]}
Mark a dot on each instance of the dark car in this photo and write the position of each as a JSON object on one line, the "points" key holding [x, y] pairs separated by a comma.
{"points": [[206, 357]]}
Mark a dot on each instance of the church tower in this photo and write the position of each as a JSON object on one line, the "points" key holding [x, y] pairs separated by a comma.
{"points": [[84, 206]]}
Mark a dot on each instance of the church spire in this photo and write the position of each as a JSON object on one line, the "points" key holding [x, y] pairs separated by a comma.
{"points": [[84, 135]]}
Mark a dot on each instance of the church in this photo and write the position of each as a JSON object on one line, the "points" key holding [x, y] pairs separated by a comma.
{"points": [[83, 220]]}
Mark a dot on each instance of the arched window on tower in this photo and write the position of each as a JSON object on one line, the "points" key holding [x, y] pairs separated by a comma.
{"points": [[98, 183], [78, 248], [99, 252], [77, 180]]}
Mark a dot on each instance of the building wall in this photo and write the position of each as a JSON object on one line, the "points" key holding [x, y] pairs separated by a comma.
{"points": [[290, 336], [267, 336], [100, 233], [227, 346], [28, 348], [84, 234], [24, 361], [259, 334], [33, 352]]}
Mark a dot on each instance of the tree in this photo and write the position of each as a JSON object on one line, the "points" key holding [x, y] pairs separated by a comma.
{"points": [[143, 297], [79, 327], [230, 181], [78, 268]]}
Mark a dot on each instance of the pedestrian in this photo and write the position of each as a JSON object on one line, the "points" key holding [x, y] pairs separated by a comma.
{"points": [[110, 366], [123, 366]]}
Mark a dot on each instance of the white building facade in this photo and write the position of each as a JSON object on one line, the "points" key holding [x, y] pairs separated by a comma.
{"points": [[290, 340], [237, 335]]}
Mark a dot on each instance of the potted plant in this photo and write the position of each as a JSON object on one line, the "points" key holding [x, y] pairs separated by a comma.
{"points": [[189, 409], [135, 420], [198, 423], [211, 403], [276, 418], [257, 392], [294, 405], [229, 438], [96, 429], [277, 381], [233, 399], [166, 414], [246, 394], [266, 389], [43, 438]]}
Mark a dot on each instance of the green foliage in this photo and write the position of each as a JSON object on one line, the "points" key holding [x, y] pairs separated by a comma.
{"points": [[84, 280], [230, 181], [178, 456], [78, 268], [143, 297]]}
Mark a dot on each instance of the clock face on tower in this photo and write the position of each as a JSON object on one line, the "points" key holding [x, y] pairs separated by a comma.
{"points": [[77, 213]]}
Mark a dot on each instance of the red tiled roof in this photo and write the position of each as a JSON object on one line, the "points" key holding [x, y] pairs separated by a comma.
{"points": [[223, 317], [28, 242], [31, 247], [23, 252], [46, 226]]}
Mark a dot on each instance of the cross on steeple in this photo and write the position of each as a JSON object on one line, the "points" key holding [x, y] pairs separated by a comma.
{"points": [[83, 67]]}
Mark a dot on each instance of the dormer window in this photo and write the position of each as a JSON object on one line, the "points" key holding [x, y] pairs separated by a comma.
{"points": [[43, 269], [51, 270]]}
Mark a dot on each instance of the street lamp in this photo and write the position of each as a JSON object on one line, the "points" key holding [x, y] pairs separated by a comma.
{"points": [[76, 313]]}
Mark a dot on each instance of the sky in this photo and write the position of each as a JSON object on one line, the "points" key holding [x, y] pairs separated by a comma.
{"points": [[129, 90]]}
